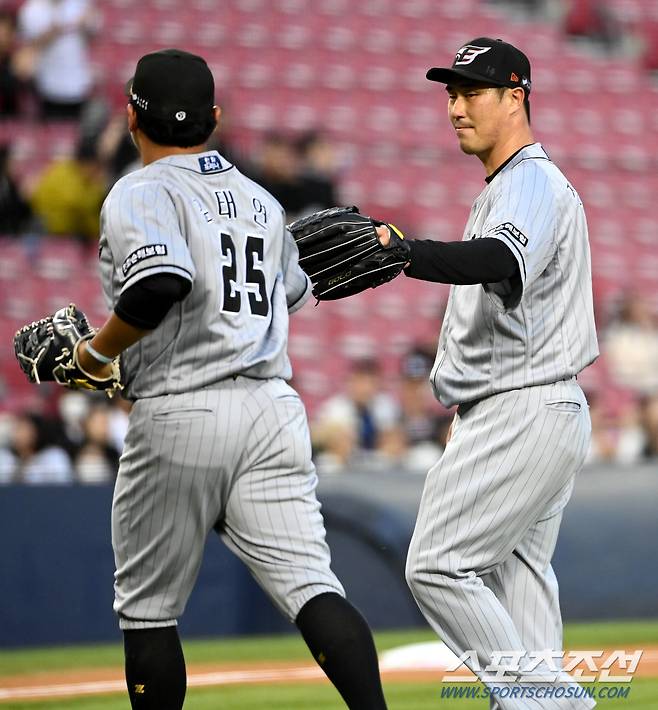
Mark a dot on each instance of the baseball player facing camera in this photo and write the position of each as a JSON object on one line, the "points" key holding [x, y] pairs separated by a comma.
{"points": [[518, 328], [201, 273]]}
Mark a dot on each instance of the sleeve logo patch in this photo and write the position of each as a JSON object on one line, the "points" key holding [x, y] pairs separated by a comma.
{"points": [[509, 230], [145, 252], [210, 164]]}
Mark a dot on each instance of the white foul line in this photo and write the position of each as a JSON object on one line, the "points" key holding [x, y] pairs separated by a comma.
{"points": [[197, 680], [193, 680]]}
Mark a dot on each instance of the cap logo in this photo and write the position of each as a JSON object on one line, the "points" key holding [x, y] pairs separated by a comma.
{"points": [[180, 115], [514, 77], [468, 53], [139, 101]]}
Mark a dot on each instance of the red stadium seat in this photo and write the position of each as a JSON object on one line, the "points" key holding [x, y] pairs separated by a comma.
{"points": [[356, 70]]}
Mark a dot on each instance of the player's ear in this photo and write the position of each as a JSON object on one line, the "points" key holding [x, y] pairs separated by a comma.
{"points": [[217, 112], [132, 118], [517, 96]]}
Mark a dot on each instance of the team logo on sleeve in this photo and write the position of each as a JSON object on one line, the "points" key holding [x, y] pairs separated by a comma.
{"points": [[468, 53], [145, 252], [509, 230]]}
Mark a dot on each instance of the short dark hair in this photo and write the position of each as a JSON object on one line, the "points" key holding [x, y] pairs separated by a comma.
{"points": [[172, 133]]}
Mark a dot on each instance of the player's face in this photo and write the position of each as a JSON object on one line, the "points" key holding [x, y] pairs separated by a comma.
{"points": [[477, 114]]}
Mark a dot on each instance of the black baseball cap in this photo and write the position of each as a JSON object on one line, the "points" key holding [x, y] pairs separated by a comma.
{"points": [[488, 61], [172, 85]]}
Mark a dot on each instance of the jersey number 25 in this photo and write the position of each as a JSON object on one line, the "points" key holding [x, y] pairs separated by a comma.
{"points": [[254, 282]]}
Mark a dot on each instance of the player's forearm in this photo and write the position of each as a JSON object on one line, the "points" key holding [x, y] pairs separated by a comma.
{"points": [[139, 310], [111, 340], [477, 261], [116, 335]]}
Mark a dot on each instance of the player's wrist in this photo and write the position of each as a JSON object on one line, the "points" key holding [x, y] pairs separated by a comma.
{"points": [[91, 365]]}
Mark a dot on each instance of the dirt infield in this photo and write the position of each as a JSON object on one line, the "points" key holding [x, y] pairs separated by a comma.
{"points": [[100, 681]]}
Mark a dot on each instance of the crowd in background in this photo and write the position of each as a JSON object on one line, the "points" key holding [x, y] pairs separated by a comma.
{"points": [[372, 422], [368, 424]]}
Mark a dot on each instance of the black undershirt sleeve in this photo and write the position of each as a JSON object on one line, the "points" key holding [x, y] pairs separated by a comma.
{"points": [[477, 261], [146, 303]]}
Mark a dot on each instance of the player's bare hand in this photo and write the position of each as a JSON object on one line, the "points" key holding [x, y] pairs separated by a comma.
{"points": [[383, 234]]}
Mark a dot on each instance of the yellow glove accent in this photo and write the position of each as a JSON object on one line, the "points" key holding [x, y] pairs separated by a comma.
{"points": [[396, 230]]}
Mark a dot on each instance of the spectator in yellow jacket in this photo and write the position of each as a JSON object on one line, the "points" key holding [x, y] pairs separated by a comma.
{"points": [[68, 195]]}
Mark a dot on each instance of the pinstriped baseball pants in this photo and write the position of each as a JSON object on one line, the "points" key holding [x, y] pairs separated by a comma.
{"points": [[479, 560], [236, 459]]}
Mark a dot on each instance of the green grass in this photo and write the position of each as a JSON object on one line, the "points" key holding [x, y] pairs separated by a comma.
{"points": [[280, 697], [302, 696], [268, 648], [291, 647], [609, 633], [400, 696]]}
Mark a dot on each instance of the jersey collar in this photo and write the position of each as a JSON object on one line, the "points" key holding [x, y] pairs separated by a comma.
{"points": [[207, 162], [531, 150]]}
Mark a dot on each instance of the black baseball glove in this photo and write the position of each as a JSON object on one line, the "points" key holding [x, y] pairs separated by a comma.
{"points": [[47, 351], [340, 252]]}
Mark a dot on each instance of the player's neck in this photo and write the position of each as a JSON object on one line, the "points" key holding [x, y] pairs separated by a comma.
{"points": [[150, 152], [503, 150]]}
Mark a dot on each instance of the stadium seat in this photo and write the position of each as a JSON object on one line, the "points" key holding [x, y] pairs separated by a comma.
{"points": [[356, 69]]}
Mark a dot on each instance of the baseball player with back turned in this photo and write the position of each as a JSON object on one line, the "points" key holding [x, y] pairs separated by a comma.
{"points": [[201, 272], [518, 328]]}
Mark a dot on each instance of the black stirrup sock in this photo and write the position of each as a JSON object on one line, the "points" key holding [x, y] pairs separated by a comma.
{"points": [[341, 642], [155, 668]]}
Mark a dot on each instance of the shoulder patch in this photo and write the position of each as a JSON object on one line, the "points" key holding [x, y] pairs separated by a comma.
{"points": [[509, 230], [146, 252], [210, 164]]}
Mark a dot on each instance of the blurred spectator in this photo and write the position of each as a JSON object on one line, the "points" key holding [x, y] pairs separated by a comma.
{"points": [[73, 407], [224, 141], [296, 173], [95, 429], [361, 420], [318, 167], [649, 420], [58, 31], [593, 20], [421, 423], [631, 346], [97, 460], [638, 440], [418, 421], [68, 195], [118, 422], [530, 7], [649, 34], [603, 444], [15, 213], [116, 149], [334, 445], [10, 85], [35, 454], [278, 172]]}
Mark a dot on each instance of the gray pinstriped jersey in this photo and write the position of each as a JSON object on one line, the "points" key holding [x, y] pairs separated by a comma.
{"points": [[197, 216], [539, 329]]}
